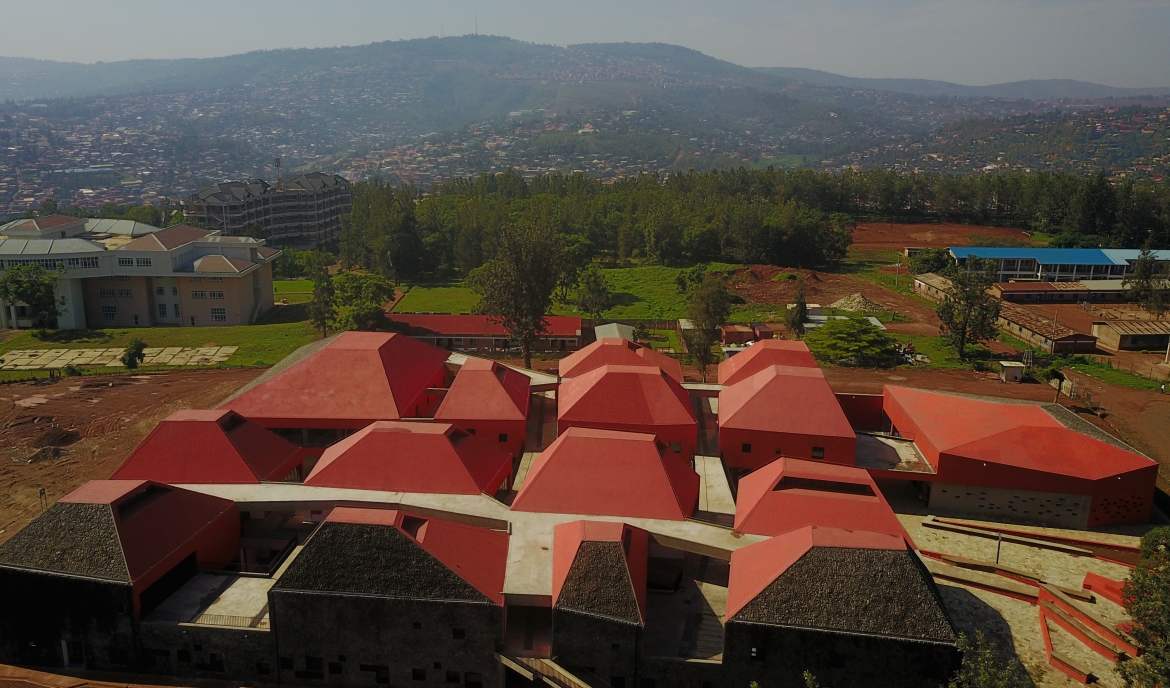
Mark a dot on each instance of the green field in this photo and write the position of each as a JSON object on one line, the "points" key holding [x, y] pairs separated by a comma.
{"points": [[941, 355], [300, 285], [447, 299], [258, 344]]}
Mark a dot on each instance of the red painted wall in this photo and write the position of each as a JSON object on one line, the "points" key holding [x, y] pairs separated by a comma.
{"points": [[864, 411], [490, 430], [839, 450], [685, 435]]}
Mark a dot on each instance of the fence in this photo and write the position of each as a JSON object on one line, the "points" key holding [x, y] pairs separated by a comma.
{"points": [[1142, 369]]}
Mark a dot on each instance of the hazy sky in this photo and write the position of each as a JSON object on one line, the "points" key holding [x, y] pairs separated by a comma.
{"points": [[1116, 42]]}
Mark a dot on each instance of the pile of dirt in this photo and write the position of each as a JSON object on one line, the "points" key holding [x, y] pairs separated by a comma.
{"points": [[56, 437], [45, 454], [857, 302]]}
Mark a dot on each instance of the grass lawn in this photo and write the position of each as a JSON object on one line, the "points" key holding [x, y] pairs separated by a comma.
{"points": [[294, 296], [301, 285], [758, 312], [664, 339], [941, 355], [1121, 378], [648, 292], [452, 299], [258, 344]]}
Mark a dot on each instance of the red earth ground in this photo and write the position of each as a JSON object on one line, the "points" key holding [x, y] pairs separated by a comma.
{"points": [[889, 235]]}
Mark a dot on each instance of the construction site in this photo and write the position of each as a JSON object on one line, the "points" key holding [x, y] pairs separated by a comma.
{"points": [[378, 511]]}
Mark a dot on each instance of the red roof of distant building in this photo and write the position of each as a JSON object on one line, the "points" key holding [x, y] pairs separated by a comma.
{"points": [[441, 325], [785, 399], [625, 396], [166, 239], [753, 568], [413, 457], [609, 473], [615, 351], [478, 555], [635, 542], [790, 493], [762, 354], [485, 390], [217, 446], [360, 377]]}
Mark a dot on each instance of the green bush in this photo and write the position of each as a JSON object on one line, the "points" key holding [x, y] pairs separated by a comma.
{"points": [[851, 342]]}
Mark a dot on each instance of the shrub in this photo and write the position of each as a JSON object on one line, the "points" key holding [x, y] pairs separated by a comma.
{"points": [[851, 341]]}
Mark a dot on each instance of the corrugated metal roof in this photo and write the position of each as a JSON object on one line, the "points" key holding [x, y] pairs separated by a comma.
{"points": [[1136, 326], [43, 247], [1035, 322], [1044, 256]]}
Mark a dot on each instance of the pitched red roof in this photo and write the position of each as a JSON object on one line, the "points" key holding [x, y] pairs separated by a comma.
{"points": [[609, 473], [166, 239], [790, 493], [413, 457], [217, 446], [635, 397], [635, 542], [615, 351], [360, 377], [754, 567], [784, 399], [485, 390], [762, 354], [222, 264], [1016, 435], [478, 555], [443, 325]]}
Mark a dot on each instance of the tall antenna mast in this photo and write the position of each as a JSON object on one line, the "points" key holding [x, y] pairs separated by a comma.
{"points": [[279, 181], [477, 23]]}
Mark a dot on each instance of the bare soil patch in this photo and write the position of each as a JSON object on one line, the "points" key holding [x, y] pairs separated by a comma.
{"points": [[58, 436], [890, 235]]}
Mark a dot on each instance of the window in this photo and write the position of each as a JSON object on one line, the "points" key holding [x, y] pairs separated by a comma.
{"points": [[418, 674], [263, 669], [174, 291], [418, 625], [458, 633], [183, 655], [745, 448], [217, 295], [335, 667], [473, 679], [818, 452], [85, 262], [162, 310], [503, 437], [123, 278], [125, 294], [199, 294], [136, 320], [196, 279], [452, 677], [160, 291], [125, 262], [176, 311], [106, 293], [110, 312], [214, 279], [192, 321], [143, 262], [220, 315]]}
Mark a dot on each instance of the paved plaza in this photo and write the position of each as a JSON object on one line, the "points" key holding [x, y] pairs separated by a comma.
{"points": [[47, 359]]}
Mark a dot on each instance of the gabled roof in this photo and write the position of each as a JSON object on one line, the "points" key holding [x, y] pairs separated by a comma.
{"points": [[166, 239], [443, 325], [113, 529], [433, 458], [612, 351], [217, 446], [609, 473], [394, 553], [485, 390], [624, 395], [784, 399], [1019, 435], [358, 378], [837, 580], [788, 494], [762, 354], [599, 568], [222, 265]]}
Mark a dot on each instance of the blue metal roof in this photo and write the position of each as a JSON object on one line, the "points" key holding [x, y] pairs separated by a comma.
{"points": [[1044, 256]]}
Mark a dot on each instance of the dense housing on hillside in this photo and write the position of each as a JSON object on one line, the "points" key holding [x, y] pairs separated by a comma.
{"points": [[118, 273], [307, 208], [353, 518]]}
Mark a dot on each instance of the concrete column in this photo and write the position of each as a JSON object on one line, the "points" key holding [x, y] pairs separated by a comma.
{"points": [[73, 309]]}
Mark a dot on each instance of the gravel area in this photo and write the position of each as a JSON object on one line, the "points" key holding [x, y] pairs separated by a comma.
{"points": [[70, 538], [599, 583]]}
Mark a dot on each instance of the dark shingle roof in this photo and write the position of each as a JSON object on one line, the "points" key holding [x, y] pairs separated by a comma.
{"points": [[70, 538], [599, 583], [855, 590], [373, 560]]}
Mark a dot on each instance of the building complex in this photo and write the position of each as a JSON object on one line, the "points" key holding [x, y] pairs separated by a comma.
{"points": [[354, 517], [304, 209], [127, 274]]}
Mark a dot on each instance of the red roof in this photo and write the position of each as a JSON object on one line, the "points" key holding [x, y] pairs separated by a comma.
{"points": [[622, 397], [156, 521], [217, 446], [1017, 435], [786, 399], [762, 354], [440, 325], [360, 377], [478, 555], [567, 539], [166, 239], [485, 390], [608, 473], [615, 351], [755, 567], [433, 458], [789, 493]]}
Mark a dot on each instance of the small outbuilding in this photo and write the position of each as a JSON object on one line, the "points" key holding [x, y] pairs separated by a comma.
{"points": [[1011, 371]]}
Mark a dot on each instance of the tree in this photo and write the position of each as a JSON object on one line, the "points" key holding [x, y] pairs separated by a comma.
{"points": [[937, 260], [1148, 285], [796, 316], [352, 287], [366, 316], [968, 314], [686, 280], [593, 295], [851, 340], [516, 287], [985, 667], [323, 307], [48, 207], [134, 353], [577, 250], [709, 308], [1147, 600], [37, 287]]}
